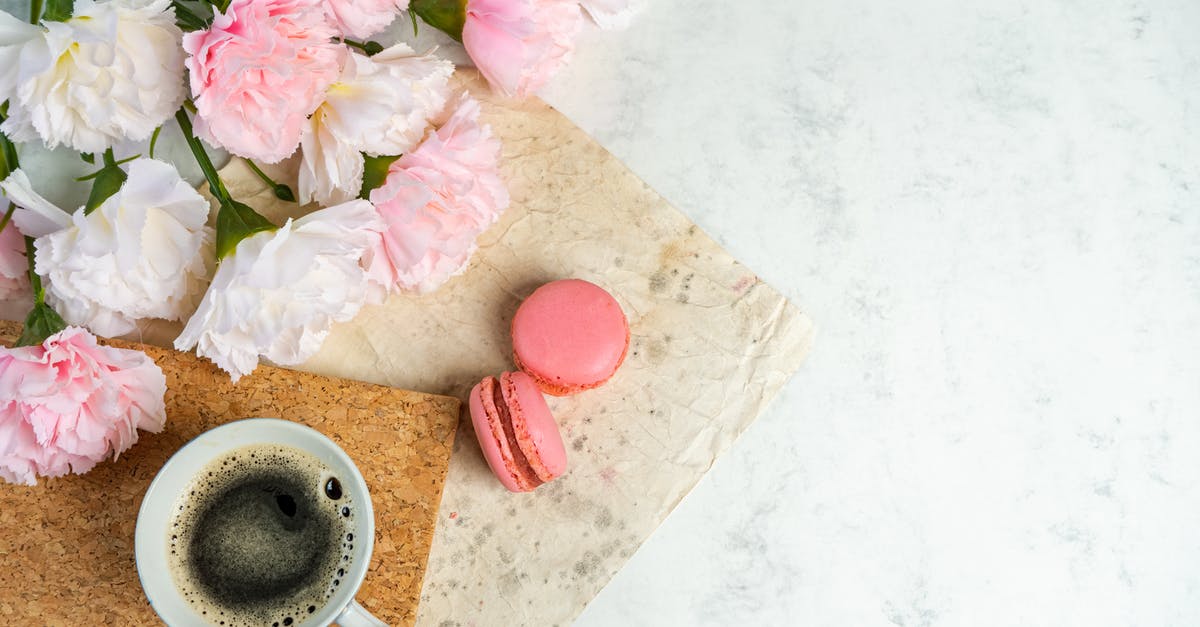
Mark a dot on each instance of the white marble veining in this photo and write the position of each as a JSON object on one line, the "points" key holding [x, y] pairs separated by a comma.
{"points": [[992, 211]]}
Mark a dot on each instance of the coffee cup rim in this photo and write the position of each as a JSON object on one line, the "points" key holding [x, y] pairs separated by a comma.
{"points": [[150, 544]]}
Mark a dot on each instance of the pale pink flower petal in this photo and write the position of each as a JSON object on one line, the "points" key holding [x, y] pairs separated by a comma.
{"points": [[360, 19], [70, 403], [519, 44], [436, 202], [14, 268], [259, 72]]}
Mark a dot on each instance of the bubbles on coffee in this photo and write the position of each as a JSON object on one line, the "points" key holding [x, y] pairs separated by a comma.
{"points": [[261, 537]]}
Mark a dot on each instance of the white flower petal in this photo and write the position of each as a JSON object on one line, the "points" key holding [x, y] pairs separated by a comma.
{"points": [[380, 105], [279, 293], [14, 34], [35, 216], [331, 171], [145, 252], [112, 72]]}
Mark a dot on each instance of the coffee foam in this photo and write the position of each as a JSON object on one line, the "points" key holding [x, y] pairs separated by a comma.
{"points": [[311, 582]]}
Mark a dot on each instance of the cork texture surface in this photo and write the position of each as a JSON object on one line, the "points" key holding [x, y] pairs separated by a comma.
{"points": [[66, 545]]}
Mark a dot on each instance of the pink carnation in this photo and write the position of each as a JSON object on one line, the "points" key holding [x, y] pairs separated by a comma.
{"points": [[14, 269], [259, 72], [519, 44], [436, 201], [70, 403], [361, 19]]}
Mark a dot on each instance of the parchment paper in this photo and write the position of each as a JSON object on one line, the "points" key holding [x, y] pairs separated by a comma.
{"points": [[711, 344]]}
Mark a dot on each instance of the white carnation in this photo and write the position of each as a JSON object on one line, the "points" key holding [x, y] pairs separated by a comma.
{"points": [[113, 71], [380, 105], [145, 252], [280, 291], [331, 171]]}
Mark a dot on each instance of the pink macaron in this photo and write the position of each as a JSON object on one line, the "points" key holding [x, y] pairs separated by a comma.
{"points": [[516, 431], [569, 335]]}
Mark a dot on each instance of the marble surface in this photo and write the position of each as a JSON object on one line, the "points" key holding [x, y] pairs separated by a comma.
{"points": [[992, 211]]}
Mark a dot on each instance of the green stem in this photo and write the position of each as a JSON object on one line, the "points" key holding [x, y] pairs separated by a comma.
{"points": [[235, 221], [42, 321], [282, 192], [35, 11], [372, 48], [35, 281], [154, 140], [206, 165], [6, 167], [12, 208], [8, 154]]}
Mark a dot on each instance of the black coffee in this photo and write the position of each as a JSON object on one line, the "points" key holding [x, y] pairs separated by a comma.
{"points": [[261, 537]]}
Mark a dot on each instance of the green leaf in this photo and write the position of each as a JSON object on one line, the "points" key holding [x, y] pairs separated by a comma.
{"points": [[375, 172], [41, 323], [235, 222], [284, 193], [58, 10], [8, 156], [108, 182], [447, 16], [190, 18]]}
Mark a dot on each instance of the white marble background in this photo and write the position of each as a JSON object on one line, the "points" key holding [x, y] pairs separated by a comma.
{"points": [[992, 211]]}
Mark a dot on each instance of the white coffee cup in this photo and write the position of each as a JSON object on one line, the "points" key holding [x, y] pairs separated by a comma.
{"points": [[154, 518]]}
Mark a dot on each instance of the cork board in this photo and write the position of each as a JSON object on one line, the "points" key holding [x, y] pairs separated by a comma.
{"points": [[711, 346], [66, 545]]}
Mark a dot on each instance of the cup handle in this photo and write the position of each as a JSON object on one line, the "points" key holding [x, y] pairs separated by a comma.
{"points": [[356, 616]]}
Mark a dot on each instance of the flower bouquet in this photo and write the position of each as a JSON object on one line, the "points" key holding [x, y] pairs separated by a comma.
{"points": [[397, 175]]}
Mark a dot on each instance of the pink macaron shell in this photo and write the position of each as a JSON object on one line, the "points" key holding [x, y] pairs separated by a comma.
{"points": [[485, 419], [570, 335], [536, 430]]}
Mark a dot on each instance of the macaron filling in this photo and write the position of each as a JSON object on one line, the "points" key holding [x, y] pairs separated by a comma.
{"points": [[521, 469], [521, 430]]}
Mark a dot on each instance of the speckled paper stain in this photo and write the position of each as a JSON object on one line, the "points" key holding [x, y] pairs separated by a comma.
{"points": [[66, 545], [711, 344]]}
